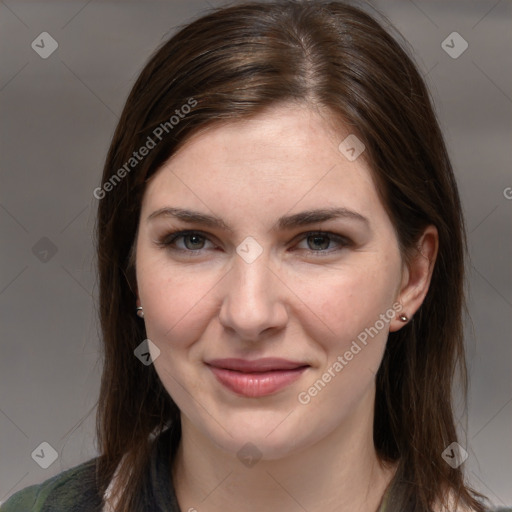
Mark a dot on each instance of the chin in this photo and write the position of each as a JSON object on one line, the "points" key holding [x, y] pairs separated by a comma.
{"points": [[257, 448], [257, 436]]}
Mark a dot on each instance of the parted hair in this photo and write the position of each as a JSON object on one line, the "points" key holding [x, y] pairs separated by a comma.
{"points": [[232, 63]]}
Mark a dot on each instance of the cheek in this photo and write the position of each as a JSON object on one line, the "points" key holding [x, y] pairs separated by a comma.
{"points": [[341, 304], [355, 310], [177, 309], [177, 305]]}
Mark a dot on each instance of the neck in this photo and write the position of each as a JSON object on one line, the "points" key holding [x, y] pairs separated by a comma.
{"points": [[340, 472]]}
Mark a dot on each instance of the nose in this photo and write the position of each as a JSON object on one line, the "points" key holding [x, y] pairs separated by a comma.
{"points": [[254, 302]]}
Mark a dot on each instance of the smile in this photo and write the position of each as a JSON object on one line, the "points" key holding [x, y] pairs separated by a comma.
{"points": [[257, 378]]}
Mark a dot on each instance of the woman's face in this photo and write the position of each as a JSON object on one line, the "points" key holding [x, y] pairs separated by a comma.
{"points": [[287, 253]]}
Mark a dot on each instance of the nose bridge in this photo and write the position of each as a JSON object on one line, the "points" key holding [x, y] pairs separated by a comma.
{"points": [[252, 280], [252, 302]]}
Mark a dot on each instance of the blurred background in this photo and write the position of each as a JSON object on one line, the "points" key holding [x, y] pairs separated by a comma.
{"points": [[67, 68]]}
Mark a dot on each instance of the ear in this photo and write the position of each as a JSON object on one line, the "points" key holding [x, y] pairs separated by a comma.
{"points": [[416, 276]]}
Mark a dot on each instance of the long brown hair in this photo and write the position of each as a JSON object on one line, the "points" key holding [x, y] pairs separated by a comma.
{"points": [[232, 63]]}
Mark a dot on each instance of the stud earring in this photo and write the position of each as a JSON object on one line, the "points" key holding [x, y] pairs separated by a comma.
{"points": [[140, 312], [403, 318]]}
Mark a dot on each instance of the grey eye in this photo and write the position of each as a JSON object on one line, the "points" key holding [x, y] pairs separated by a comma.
{"points": [[318, 242], [193, 241]]}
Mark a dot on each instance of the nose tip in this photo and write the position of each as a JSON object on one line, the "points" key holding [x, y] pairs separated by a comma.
{"points": [[253, 304]]}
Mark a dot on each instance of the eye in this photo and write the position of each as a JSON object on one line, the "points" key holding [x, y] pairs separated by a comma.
{"points": [[318, 243], [185, 241], [193, 241], [322, 242]]}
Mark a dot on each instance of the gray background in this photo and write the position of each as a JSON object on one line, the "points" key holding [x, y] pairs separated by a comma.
{"points": [[57, 117]]}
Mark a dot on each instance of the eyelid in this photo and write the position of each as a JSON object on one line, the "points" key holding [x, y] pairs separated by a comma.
{"points": [[334, 237], [172, 236], [167, 241]]}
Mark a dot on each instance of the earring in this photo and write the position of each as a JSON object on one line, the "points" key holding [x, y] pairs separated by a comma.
{"points": [[403, 318], [140, 312]]}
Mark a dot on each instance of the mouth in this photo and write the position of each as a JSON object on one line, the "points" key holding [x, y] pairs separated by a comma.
{"points": [[257, 378]]}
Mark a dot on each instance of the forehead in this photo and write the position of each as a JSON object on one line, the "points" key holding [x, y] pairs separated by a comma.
{"points": [[286, 156]]}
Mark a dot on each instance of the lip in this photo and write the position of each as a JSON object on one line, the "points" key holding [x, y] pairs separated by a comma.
{"points": [[257, 378], [264, 364]]}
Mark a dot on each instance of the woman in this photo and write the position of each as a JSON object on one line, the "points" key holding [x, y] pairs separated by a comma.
{"points": [[281, 261]]}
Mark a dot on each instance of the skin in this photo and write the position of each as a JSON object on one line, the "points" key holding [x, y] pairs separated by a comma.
{"points": [[290, 302]]}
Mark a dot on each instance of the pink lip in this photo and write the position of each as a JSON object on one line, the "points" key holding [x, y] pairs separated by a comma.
{"points": [[256, 378]]}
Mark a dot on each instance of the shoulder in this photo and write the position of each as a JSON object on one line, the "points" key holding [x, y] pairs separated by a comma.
{"points": [[73, 490], [454, 505], [462, 508]]}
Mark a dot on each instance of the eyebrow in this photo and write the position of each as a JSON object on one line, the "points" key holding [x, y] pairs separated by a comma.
{"points": [[287, 222]]}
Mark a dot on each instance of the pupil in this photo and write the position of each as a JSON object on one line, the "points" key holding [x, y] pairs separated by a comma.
{"points": [[321, 242], [194, 241]]}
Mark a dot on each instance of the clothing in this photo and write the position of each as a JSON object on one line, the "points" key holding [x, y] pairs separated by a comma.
{"points": [[70, 491], [75, 490]]}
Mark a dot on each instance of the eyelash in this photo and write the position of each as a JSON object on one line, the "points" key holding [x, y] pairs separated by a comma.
{"points": [[170, 238]]}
